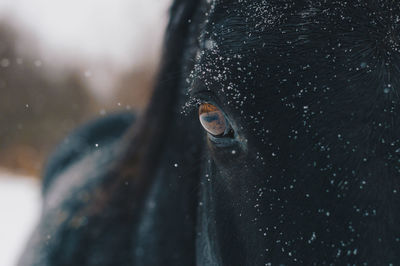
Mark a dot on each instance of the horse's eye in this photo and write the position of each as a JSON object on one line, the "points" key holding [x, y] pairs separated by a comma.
{"points": [[213, 120]]}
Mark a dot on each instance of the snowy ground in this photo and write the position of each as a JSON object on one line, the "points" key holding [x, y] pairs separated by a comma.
{"points": [[19, 211]]}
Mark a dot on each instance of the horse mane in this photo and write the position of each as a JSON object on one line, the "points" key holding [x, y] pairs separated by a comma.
{"points": [[145, 141], [119, 191], [108, 201], [131, 174]]}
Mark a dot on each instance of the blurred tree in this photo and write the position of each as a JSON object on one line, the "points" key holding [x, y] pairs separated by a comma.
{"points": [[37, 106], [134, 88]]}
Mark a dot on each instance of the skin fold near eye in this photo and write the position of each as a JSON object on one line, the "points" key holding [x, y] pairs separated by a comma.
{"points": [[212, 119]]}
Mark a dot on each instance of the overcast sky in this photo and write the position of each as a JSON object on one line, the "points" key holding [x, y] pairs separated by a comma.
{"points": [[121, 31], [104, 37]]}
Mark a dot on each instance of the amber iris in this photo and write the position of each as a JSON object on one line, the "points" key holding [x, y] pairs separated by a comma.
{"points": [[212, 119]]}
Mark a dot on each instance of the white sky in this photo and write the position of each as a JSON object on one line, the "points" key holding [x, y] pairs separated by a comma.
{"points": [[119, 32]]}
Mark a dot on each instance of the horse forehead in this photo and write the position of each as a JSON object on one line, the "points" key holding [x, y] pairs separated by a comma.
{"points": [[235, 64], [246, 31], [250, 13], [271, 13]]}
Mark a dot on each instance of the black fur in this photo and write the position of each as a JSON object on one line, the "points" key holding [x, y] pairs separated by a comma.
{"points": [[310, 177]]}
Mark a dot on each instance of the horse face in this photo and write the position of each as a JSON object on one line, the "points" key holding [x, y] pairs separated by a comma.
{"points": [[299, 103]]}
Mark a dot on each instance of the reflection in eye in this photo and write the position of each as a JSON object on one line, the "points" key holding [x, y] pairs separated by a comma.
{"points": [[212, 119]]}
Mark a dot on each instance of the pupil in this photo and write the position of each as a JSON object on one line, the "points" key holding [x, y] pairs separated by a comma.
{"points": [[212, 119], [209, 118]]}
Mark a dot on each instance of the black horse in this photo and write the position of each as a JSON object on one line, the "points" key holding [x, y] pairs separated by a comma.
{"points": [[300, 164]]}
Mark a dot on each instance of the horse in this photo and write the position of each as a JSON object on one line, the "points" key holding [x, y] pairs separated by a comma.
{"points": [[271, 139]]}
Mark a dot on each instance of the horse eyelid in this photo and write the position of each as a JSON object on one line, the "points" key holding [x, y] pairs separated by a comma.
{"points": [[207, 96]]}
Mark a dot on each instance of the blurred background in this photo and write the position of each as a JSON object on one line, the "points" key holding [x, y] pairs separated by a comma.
{"points": [[63, 62]]}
